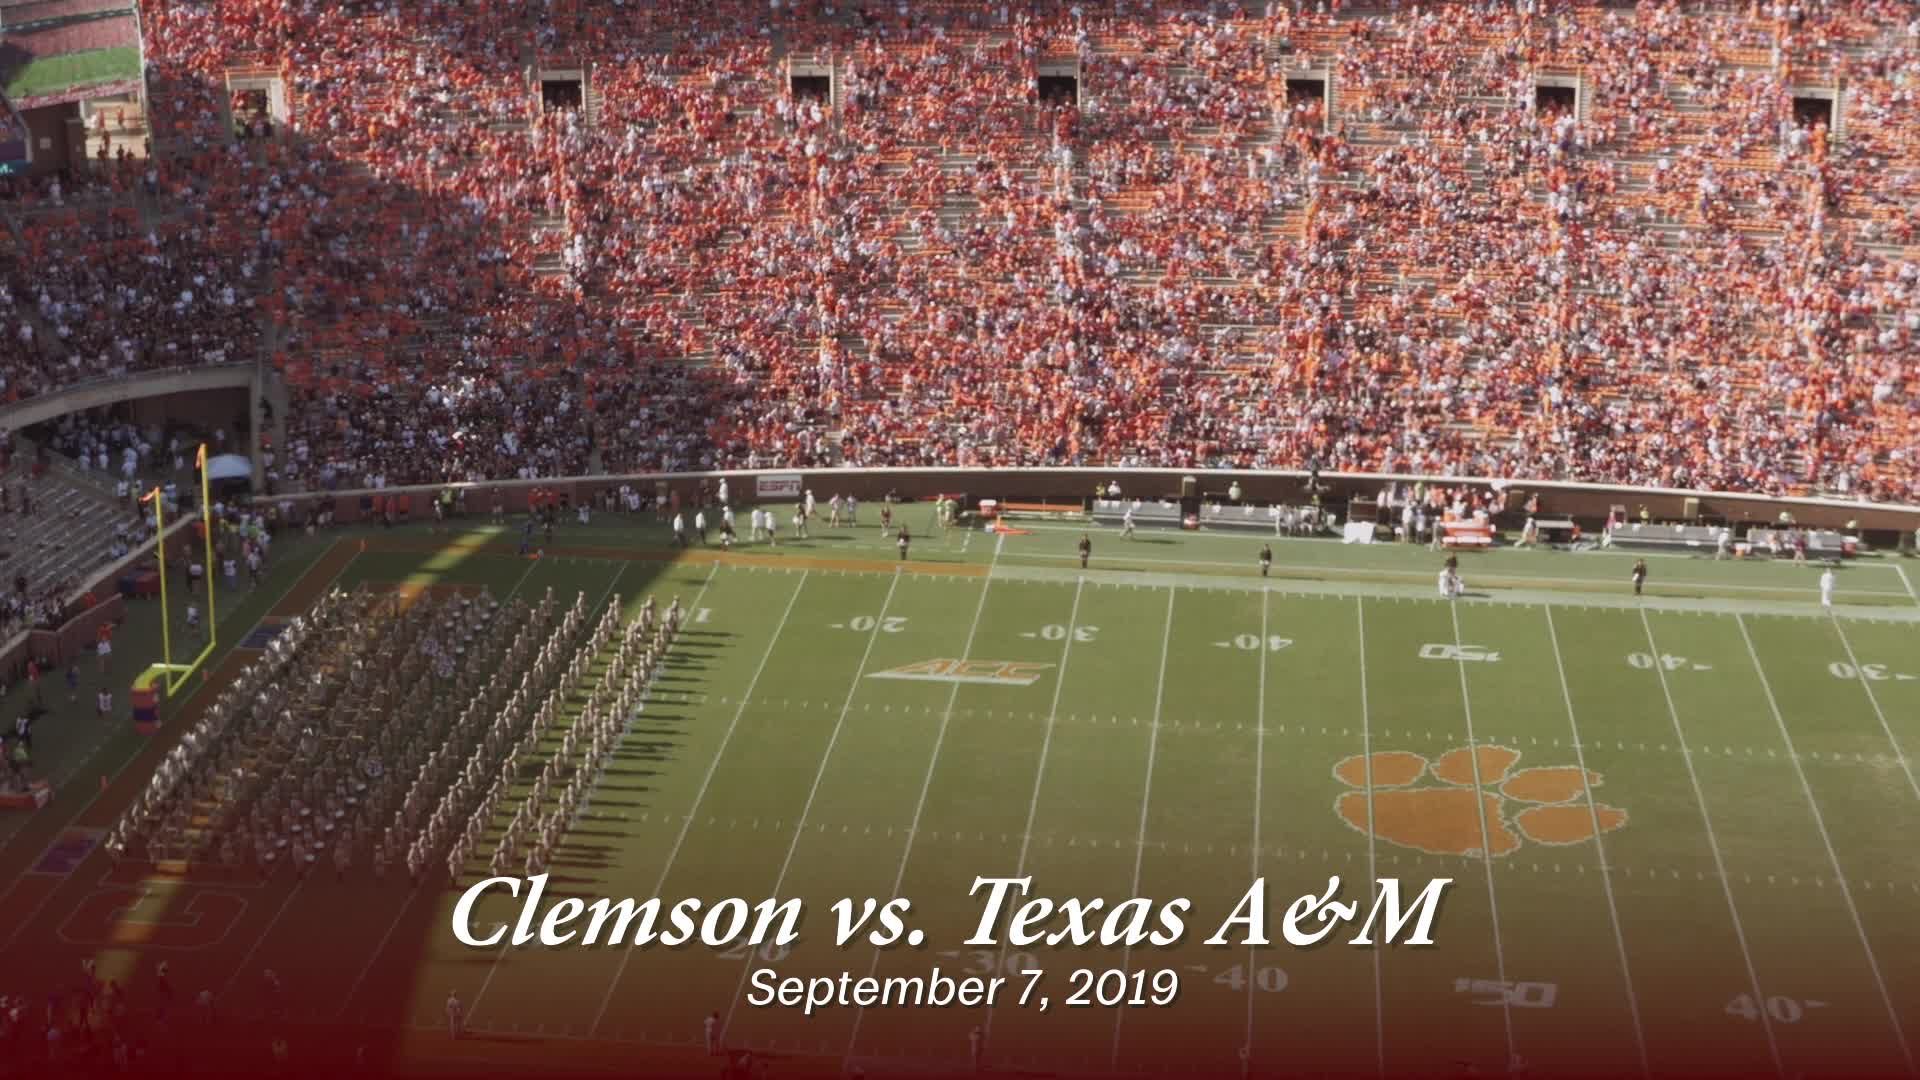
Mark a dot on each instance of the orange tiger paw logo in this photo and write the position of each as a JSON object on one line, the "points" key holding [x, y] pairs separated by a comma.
{"points": [[1545, 805]]}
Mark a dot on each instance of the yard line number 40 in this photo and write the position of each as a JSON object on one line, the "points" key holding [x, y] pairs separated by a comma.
{"points": [[1780, 1009]]}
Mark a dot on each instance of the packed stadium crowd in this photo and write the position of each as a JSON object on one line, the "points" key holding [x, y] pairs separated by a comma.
{"points": [[1413, 266]]}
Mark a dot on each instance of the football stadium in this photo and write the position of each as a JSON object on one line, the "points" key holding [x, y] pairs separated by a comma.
{"points": [[924, 538]]}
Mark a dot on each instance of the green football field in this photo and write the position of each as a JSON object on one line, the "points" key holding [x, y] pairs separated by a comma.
{"points": [[1679, 829]]}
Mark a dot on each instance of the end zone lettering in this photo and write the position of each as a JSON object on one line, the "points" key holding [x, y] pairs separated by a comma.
{"points": [[935, 991]]}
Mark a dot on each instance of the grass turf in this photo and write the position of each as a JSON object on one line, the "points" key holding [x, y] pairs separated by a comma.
{"points": [[53, 74], [1746, 906]]}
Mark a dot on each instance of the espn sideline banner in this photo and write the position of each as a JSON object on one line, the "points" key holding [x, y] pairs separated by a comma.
{"points": [[776, 486]]}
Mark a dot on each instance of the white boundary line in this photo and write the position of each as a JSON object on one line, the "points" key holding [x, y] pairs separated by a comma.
{"points": [[1713, 845], [926, 785], [1039, 773], [1520, 579], [1600, 848], [1874, 699], [1833, 858], [1259, 781], [799, 825], [1146, 800], [1486, 838], [1208, 532], [1373, 873]]}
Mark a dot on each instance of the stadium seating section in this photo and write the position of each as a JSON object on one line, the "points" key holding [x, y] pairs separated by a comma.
{"points": [[1415, 264], [57, 526]]}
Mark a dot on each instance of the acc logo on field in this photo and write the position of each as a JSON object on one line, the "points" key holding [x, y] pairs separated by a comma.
{"points": [[988, 672], [1444, 650]]}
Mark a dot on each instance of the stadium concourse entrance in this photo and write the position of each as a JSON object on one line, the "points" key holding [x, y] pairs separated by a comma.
{"points": [[811, 87], [1813, 111], [1554, 99], [560, 91]]}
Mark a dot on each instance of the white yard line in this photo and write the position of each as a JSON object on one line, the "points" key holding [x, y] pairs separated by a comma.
{"points": [[198, 690], [1902, 571], [1146, 800], [1039, 774], [1833, 857], [522, 579], [813, 792], [1373, 873], [142, 744], [1486, 838], [1713, 845], [1600, 849], [1259, 779], [706, 780], [494, 967], [259, 940], [1866, 684], [926, 785], [346, 1000]]}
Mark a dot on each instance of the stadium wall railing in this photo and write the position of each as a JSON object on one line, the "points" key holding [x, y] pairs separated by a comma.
{"points": [[1886, 524], [114, 389]]}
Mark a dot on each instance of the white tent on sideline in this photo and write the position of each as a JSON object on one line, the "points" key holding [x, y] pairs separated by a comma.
{"points": [[229, 467]]}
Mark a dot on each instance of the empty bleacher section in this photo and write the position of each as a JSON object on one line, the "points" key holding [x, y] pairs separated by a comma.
{"points": [[1566, 239], [57, 527]]}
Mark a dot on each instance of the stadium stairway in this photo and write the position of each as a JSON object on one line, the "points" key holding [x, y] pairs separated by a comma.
{"points": [[70, 531]]}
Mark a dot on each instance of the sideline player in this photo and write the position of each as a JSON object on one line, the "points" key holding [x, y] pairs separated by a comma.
{"points": [[1826, 588], [1639, 575], [1126, 524], [1451, 587], [905, 539], [1266, 559], [1086, 549]]}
